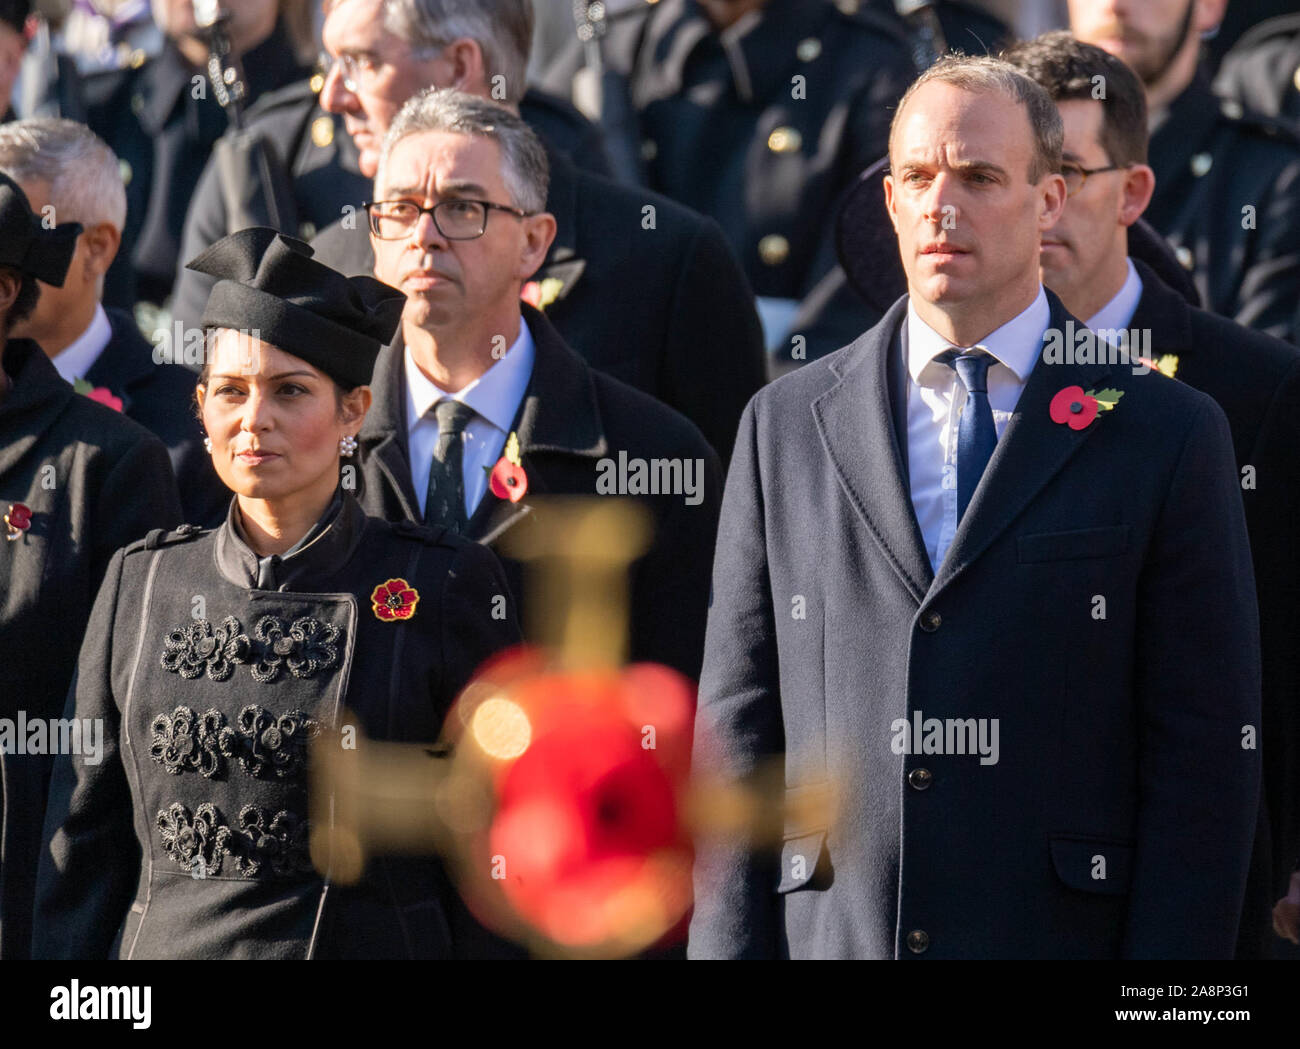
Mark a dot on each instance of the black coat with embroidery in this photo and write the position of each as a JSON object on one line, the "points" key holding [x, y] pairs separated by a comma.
{"points": [[571, 419], [94, 482], [189, 839]]}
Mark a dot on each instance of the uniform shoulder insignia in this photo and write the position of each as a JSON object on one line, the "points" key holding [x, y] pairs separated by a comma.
{"points": [[162, 537]]}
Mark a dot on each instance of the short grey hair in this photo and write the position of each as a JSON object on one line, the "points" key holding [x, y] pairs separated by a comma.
{"points": [[84, 175], [503, 30], [981, 74], [523, 160]]}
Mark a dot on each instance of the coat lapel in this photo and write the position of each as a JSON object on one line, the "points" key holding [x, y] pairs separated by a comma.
{"points": [[1029, 454], [127, 360], [559, 415], [383, 434], [856, 424]]}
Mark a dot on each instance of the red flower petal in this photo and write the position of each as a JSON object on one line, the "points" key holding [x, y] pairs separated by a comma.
{"points": [[408, 597], [396, 586], [383, 611], [508, 481], [1073, 407], [1085, 415]]}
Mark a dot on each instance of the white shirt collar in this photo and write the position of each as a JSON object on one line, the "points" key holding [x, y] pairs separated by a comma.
{"points": [[495, 395], [82, 352], [1116, 314], [1016, 344]]}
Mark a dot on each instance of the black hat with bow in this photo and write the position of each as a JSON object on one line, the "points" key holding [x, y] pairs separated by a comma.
{"points": [[27, 244], [270, 287]]}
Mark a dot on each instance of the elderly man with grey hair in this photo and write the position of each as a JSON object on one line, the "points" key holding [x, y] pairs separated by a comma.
{"points": [[477, 377], [642, 287], [70, 175]]}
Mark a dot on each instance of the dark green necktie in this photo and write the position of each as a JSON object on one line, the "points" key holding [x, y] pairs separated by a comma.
{"points": [[444, 502]]}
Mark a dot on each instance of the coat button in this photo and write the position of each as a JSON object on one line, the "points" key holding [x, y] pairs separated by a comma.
{"points": [[784, 140], [919, 778], [1185, 257], [649, 149], [1201, 164], [322, 131], [808, 49], [124, 169], [1231, 109], [917, 941], [930, 621], [773, 249]]}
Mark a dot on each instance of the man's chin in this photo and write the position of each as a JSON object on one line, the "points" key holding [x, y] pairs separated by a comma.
{"points": [[368, 161]]}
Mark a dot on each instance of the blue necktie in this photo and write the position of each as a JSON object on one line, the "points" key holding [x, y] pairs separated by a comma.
{"points": [[444, 502], [976, 434]]}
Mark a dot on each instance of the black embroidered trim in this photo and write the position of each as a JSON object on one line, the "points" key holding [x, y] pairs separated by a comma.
{"points": [[198, 646], [264, 844], [184, 740], [269, 743], [199, 843], [304, 647]]}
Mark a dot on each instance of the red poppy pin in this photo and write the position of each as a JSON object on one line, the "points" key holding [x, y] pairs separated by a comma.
{"points": [[1077, 408], [17, 520], [508, 480], [394, 599], [102, 394], [541, 294]]}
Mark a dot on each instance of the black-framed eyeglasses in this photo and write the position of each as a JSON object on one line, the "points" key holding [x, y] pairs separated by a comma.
{"points": [[1076, 175], [457, 219]]}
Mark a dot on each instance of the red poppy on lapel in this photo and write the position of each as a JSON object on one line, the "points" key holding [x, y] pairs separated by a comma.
{"points": [[1077, 409], [394, 599], [508, 480], [102, 394], [17, 520]]}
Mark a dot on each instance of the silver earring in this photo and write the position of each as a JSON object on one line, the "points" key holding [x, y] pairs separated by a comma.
{"points": [[347, 446], [207, 443]]}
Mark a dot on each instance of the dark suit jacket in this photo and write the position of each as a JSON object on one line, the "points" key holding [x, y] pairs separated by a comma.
{"points": [[160, 397], [1255, 379], [94, 482], [666, 310], [573, 417], [1118, 818]]}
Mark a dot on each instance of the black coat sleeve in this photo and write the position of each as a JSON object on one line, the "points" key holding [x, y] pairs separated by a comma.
{"points": [[139, 494], [90, 857]]}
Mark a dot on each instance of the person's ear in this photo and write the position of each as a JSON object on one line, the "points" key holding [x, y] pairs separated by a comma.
{"points": [[539, 231], [1139, 185], [11, 283], [355, 405], [100, 242], [464, 58], [1209, 15], [1052, 200], [890, 202]]}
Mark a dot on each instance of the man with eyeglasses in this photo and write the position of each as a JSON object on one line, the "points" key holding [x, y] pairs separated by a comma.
{"points": [[477, 377], [1254, 378], [643, 288], [1227, 191]]}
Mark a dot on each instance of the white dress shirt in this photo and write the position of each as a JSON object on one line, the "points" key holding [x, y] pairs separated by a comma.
{"points": [[1118, 313], [495, 397], [82, 353], [935, 396]]}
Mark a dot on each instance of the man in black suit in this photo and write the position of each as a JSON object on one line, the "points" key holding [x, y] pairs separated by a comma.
{"points": [[475, 379], [1227, 180], [997, 594], [643, 288], [70, 175], [1255, 379]]}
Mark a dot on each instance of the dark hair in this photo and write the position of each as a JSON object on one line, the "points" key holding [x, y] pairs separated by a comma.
{"points": [[29, 293], [1070, 71]]}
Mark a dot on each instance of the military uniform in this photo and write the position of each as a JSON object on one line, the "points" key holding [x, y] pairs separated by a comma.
{"points": [[1262, 71], [760, 127], [1228, 197], [189, 838], [162, 135], [319, 161]]}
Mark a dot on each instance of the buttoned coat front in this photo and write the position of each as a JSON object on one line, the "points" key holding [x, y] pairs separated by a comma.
{"points": [[1097, 603]]}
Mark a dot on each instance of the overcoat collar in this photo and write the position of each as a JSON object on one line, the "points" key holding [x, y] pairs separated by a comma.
{"points": [[36, 398], [304, 569], [559, 415], [857, 430], [126, 361]]}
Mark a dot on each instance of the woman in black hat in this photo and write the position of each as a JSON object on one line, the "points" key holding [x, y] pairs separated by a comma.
{"points": [[78, 480], [215, 656]]}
